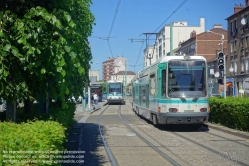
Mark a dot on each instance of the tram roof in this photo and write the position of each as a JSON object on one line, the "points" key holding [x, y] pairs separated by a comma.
{"points": [[114, 81], [167, 58]]}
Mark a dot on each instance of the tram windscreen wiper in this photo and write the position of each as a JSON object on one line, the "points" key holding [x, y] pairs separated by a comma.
{"points": [[198, 96], [177, 95]]}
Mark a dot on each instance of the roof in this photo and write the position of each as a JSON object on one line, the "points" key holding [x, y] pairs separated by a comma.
{"points": [[128, 73], [238, 13]]}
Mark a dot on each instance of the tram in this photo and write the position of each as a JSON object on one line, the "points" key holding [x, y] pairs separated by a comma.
{"points": [[115, 92], [173, 90]]}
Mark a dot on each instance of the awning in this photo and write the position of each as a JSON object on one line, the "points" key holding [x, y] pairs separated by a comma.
{"points": [[228, 83]]}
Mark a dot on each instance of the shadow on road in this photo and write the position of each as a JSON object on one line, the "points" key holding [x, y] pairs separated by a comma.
{"points": [[85, 138]]}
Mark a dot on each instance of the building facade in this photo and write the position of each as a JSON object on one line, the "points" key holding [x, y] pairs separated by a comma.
{"points": [[179, 30], [238, 49], [207, 44], [112, 66], [94, 74], [126, 77]]}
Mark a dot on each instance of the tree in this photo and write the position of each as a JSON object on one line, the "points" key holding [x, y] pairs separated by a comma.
{"points": [[44, 48]]}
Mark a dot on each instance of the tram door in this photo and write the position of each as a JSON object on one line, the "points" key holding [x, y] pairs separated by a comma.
{"points": [[140, 96], [147, 95], [143, 96]]}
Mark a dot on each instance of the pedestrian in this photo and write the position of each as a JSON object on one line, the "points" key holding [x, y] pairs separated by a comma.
{"points": [[95, 98], [92, 98]]}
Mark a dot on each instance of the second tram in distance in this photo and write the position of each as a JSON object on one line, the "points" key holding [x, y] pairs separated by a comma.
{"points": [[115, 92], [172, 91]]}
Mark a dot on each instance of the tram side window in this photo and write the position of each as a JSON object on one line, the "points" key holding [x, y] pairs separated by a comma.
{"points": [[163, 83], [152, 84], [143, 90]]}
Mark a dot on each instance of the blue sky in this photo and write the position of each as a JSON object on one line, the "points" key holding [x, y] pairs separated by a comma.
{"points": [[135, 17]]}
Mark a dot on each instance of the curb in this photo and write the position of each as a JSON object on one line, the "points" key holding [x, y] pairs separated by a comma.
{"points": [[229, 130]]}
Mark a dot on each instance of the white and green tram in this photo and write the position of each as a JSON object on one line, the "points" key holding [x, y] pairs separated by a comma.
{"points": [[172, 91], [115, 92]]}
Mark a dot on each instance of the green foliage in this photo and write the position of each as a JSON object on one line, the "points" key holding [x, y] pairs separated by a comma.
{"points": [[44, 48], [103, 87], [46, 136], [232, 112], [63, 116], [48, 131]]}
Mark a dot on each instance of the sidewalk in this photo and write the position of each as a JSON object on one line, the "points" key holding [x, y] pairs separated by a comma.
{"points": [[81, 116], [75, 135], [93, 108]]}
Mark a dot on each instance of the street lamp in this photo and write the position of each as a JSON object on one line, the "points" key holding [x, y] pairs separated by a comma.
{"points": [[222, 50]]}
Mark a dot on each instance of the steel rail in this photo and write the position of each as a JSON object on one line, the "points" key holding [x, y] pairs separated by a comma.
{"points": [[165, 156], [107, 149]]}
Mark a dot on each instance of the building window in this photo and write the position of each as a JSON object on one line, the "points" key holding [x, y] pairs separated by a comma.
{"points": [[235, 24], [246, 42], [231, 44], [236, 67], [242, 43], [242, 63], [160, 51], [235, 46], [246, 65], [232, 66]]}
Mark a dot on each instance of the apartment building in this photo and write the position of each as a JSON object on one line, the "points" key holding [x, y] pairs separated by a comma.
{"points": [[120, 76], [107, 69], [238, 49], [174, 33], [112, 66], [94, 75]]}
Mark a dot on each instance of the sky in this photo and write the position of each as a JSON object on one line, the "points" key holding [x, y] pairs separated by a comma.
{"points": [[122, 20]]}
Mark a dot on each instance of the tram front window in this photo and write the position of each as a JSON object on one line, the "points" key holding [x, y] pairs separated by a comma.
{"points": [[115, 88], [186, 79]]}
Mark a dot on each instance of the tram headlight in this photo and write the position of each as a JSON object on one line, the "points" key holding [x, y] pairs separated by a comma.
{"points": [[173, 109], [203, 110]]}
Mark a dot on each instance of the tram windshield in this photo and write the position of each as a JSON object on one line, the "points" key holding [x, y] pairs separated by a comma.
{"points": [[186, 79], [115, 88]]}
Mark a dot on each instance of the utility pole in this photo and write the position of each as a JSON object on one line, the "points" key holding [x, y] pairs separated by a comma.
{"points": [[171, 39], [125, 78], [224, 62], [225, 76]]}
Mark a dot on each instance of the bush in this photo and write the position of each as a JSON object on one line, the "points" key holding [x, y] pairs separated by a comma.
{"points": [[231, 112], [30, 141]]}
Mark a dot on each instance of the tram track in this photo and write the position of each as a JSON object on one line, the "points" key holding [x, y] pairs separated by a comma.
{"points": [[209, 149], [156, 145], [109, 153], [164, 155], [222, 137]]}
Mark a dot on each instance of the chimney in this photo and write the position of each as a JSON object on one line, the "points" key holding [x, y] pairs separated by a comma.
{"points": [[247, 3], [217, 26], [238, 8], [193, 34]]}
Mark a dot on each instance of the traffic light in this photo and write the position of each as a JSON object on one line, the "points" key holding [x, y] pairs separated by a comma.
{"points": [[221, 67], [220, 80], [221, 61]]}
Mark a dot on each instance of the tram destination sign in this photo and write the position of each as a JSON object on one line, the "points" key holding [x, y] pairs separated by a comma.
{"points": [[246, 85]]}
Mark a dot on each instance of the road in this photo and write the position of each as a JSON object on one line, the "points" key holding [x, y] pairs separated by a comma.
{"points": [[115, 135]]}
